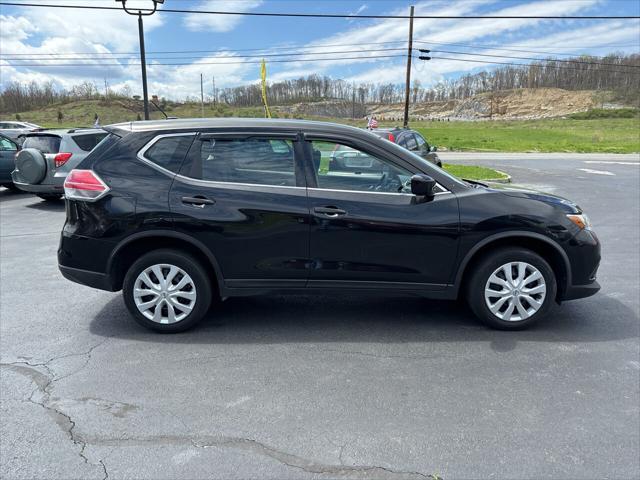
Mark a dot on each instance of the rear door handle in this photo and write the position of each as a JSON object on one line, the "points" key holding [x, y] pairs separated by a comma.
{"points": [[330, 211], [197, 201]]}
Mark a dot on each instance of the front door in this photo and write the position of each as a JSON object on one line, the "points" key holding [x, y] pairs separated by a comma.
{"points": [[244, 197], [368, 230]]}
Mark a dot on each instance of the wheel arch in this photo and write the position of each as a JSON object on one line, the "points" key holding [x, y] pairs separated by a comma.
{"points": [[540, 244], [130, 249]]}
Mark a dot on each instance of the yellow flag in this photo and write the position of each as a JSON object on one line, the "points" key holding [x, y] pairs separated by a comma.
{"points": [[263, 76]]}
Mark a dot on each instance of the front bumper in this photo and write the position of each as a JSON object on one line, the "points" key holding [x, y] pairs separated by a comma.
{"points": [[581, 291]]}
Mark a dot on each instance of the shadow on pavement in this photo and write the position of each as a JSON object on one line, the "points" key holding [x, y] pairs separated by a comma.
{"points": [[336, 319], [53, 206]]}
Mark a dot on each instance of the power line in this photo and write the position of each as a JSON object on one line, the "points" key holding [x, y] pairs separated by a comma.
{"points": [[372, 57], [297, 47], [333, 15], [489, 47], [295, 54], [539, 65], [536, 59]]}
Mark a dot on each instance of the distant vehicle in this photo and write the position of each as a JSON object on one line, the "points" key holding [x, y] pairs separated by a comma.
{"points": [[48, 156], [8, 150], [412, 141], [345, 159], [176, 213], [13, 129]]}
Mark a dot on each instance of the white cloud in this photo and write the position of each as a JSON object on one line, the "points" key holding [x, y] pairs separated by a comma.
{"points": [[218, 23]]}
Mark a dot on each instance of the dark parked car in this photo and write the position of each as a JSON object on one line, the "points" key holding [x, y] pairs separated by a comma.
{"points": [[412, 141], [8, 150], [177, 213]]}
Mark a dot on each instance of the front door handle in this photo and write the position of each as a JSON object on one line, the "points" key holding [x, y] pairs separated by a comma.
{"points": [[330, 211], [197, 201]]}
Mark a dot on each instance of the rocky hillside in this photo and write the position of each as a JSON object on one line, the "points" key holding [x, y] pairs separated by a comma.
{"points": [[522, 104]]}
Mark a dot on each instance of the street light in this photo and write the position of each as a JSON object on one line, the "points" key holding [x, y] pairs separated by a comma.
{"points": [[142, 13]]}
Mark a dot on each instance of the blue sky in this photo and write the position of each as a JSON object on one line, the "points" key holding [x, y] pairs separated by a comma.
{"points": [[106, 42]]}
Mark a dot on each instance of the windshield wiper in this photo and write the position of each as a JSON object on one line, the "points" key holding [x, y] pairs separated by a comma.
{"points": [[474, 182]]}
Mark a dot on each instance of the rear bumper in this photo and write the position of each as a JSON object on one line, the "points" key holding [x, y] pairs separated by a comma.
{"points": [[98, 280], [40, 188]]}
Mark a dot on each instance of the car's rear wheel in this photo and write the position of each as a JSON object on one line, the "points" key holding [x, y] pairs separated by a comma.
{"points": [[50, 197], [167, 291], [511, 288]]}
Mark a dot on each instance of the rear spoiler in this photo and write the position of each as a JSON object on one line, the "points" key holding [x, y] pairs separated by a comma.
{"points": [[119, 129]]}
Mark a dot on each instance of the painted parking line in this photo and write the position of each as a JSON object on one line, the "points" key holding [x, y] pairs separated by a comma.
{"points": [[596, 172]]}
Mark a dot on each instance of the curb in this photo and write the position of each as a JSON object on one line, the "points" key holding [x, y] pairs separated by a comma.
{"points": [[507, 179]]}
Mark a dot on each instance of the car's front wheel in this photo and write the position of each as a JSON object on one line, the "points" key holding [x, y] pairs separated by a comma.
{"points": [[167, 291], [511, 288]]}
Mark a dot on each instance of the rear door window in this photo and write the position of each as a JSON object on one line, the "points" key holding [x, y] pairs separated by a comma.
{"points": [[169, 152], [258, 161], [89, 141], [44, 143]]}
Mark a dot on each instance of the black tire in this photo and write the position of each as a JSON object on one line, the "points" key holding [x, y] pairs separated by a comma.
{"points": [[11, 187], [50, 197], [475, 287], [184, 261]]}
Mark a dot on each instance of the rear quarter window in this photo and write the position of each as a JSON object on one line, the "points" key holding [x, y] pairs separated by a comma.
{"points": [[89, 141], [169, 152], [44, 143]]}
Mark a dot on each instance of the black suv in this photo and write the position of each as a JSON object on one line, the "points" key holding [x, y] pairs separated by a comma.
{"points": [[178, 213]]}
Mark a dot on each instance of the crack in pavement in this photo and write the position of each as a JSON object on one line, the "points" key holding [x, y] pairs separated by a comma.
{"points": [[253, 446], [44, 383]]}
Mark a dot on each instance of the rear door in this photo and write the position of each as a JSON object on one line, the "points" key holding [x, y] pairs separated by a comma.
{"points": [[244, 197]]}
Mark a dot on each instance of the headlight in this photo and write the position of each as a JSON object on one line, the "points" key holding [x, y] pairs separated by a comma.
{"points": [[581, 220]]}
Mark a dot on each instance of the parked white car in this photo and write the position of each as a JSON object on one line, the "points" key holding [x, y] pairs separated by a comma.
{"points": [[13, 129]]}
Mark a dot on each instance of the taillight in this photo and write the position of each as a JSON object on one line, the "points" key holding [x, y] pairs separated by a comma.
{"points": [[61, 158], [392, 138], [84, 185]]}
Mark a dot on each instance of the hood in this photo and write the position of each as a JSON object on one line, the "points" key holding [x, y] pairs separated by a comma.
{"points": [[522, 192]]}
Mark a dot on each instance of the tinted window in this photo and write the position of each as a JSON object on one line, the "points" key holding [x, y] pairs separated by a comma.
{"points": [[7, 145], [342, 167], [248, 160], [169, 152], [44, 143], [89, 141], [410, 142], [422, 143]]}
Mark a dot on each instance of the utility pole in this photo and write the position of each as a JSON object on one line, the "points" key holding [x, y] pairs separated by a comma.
{"points": [[214, 91], [405, 124], [202, 94], [353, 101], [143, 60]]}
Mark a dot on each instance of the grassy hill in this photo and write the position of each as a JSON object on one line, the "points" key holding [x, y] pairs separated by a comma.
{"points": [[610, 131]]}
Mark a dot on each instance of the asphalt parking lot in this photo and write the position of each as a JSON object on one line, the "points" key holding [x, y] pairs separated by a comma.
{"points": [[325, 387]]}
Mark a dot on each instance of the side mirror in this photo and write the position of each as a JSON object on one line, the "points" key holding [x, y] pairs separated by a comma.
{"points": [[434, 148], [422, 185]]}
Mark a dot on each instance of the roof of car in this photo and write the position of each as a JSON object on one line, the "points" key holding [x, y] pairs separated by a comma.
{"points": [[63, 131], [231, 122]]}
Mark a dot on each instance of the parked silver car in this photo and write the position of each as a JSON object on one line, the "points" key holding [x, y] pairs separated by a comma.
{"points": [[14, 129], [48, 156]]}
